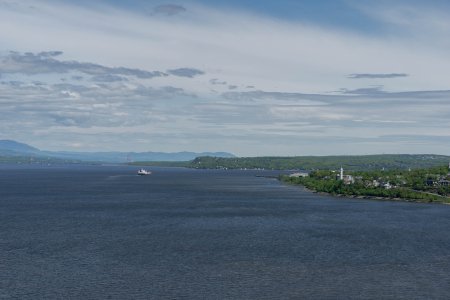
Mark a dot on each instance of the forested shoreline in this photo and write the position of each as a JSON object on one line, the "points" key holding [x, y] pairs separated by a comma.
{"points": [[352, 162], [421, 185]]}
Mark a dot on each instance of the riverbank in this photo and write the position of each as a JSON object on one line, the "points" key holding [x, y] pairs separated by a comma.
{"points": [[446, 200], [336, 188]]}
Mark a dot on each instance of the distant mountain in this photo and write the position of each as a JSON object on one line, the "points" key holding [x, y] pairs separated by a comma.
{"points": [[16, 149], [123, 157]]}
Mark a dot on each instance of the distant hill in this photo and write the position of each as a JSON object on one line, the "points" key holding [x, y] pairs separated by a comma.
{"points": [[354, 162], [10, 149]]}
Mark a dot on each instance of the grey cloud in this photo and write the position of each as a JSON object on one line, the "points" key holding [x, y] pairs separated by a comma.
{"points": [[135, 72], [76, 77], [106, 91], [47, 53], [75, 110], [216, 81], [15, 5], [15, 83], [374, 76], [185, 72], [84, 106], [376, 90], [45, 62], [429, 95], [232, 87], [168, 9], [108, 78], [277, 96], [72, 87], [416, 138], [70, 118], [165, 92], [376, 144], [372, 97], [221, 114]]}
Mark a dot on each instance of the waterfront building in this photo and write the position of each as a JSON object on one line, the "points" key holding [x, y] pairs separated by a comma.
{"points": [[299, 174]]}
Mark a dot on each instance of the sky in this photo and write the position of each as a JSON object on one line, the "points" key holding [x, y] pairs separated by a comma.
{"points": [[253, 78]]}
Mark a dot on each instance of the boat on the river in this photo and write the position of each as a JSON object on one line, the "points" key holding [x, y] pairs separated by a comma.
{"points": [[143, 172]]}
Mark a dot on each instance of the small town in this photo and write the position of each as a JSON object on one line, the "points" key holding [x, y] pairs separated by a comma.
{"points": [[423, 185]]}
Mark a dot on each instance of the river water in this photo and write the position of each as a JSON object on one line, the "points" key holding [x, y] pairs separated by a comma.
{"points": [[102, 232]]}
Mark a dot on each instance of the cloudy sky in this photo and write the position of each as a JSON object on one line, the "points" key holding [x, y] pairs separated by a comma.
{"points": [[249, 77]]}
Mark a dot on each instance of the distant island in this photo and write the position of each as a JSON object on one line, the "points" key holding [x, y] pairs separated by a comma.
{"points": [[421, 185]]}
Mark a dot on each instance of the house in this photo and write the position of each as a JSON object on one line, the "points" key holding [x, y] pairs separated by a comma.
{"points": [[444, 182], [387, 186], [348, 179], [430, 182], [299, 174]]}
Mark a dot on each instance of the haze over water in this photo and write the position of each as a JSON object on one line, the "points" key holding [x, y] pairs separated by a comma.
{"points": [[105, 233]]}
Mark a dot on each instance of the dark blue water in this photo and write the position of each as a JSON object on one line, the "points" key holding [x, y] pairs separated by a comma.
{"points": [[105, 233]]}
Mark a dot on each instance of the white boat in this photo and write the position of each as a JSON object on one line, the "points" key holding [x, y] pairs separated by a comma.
{"points": [[142, 172]]}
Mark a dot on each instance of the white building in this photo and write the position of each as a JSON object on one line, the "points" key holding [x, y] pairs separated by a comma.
{"points": [[299, 174], [347, 179]]}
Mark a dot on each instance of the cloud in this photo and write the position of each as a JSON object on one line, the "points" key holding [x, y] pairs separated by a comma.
{"points": [[15, 83], [68, 112], [169, 9], [232, 87], [186, 72], [108, 78], [376, 90], [47, 53], [293, 113], [45, 62], [36, 107], [374, 76], [281, 97], [362, 97], [216, 81]]}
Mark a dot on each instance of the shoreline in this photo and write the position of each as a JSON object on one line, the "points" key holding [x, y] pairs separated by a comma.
{"points": [[366, 197]]}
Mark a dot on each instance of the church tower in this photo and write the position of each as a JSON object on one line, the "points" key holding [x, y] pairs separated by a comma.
{"points": [[342, 173]]}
